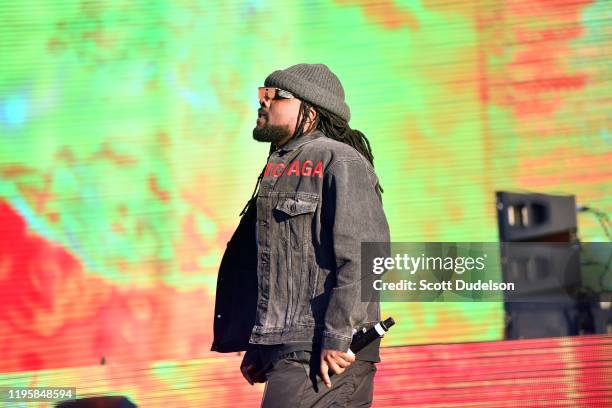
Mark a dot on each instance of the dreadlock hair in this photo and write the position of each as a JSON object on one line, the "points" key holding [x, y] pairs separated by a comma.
{"points": [[334, 127]]}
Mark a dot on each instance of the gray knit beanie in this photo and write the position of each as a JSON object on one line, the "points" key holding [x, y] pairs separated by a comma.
{"points": [[313, 83]]}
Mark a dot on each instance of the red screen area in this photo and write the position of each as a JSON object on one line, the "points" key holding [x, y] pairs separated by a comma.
{"points": [[557, 372]]}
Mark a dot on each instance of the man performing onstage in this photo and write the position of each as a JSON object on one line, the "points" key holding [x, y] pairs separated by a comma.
{"points": [[289, 289]]}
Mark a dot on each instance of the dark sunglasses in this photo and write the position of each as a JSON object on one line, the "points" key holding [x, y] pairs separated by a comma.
{"points": [[274, 93]]}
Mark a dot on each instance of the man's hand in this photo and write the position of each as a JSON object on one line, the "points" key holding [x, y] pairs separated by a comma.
{"points": [[248, 368], [335, 360], [247, 371]]}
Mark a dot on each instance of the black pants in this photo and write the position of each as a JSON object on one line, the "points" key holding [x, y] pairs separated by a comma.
{"points": [[292, 382]]}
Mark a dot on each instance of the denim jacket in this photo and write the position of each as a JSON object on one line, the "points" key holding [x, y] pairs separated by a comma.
{"points": [[301, 278]]}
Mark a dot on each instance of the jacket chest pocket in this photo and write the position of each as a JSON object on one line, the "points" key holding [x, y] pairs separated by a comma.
{"points": [[294, 215]]}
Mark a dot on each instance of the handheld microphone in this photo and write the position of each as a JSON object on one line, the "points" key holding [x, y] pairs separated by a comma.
{"points": [[364, 337]]}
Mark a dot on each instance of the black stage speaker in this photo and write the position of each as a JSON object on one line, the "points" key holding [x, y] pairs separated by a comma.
{"points": [[536, 320], [540, 255], [541, 272], [536, 217]]}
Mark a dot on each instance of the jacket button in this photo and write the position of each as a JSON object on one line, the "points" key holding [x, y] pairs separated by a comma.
{"points": [[218, 316]]}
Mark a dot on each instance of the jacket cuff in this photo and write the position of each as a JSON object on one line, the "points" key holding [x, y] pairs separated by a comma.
{"points": [[335, 341]]}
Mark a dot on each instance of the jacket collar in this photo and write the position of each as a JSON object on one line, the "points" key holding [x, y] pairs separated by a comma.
{"points": [[298, 142]]}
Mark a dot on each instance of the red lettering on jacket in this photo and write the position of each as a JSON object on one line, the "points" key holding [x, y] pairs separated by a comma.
{"points": [[318, 170], [279, 165], [294, 168], [267, 172], [307, 168]]}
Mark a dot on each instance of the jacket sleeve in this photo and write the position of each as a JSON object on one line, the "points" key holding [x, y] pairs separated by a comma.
{"points": [[352, 210]]}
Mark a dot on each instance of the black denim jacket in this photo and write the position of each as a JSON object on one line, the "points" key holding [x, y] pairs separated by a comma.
{"points": [[291, 272]]}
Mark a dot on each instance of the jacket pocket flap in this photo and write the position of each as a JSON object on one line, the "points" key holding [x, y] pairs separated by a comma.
{"points": [[292, 206]]}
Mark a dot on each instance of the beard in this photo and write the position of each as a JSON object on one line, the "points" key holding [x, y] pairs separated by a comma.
{"points": [[271, 133]]}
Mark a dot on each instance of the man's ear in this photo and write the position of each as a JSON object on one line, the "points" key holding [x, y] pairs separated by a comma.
{"points": [[312, 115], [311, 119]]}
